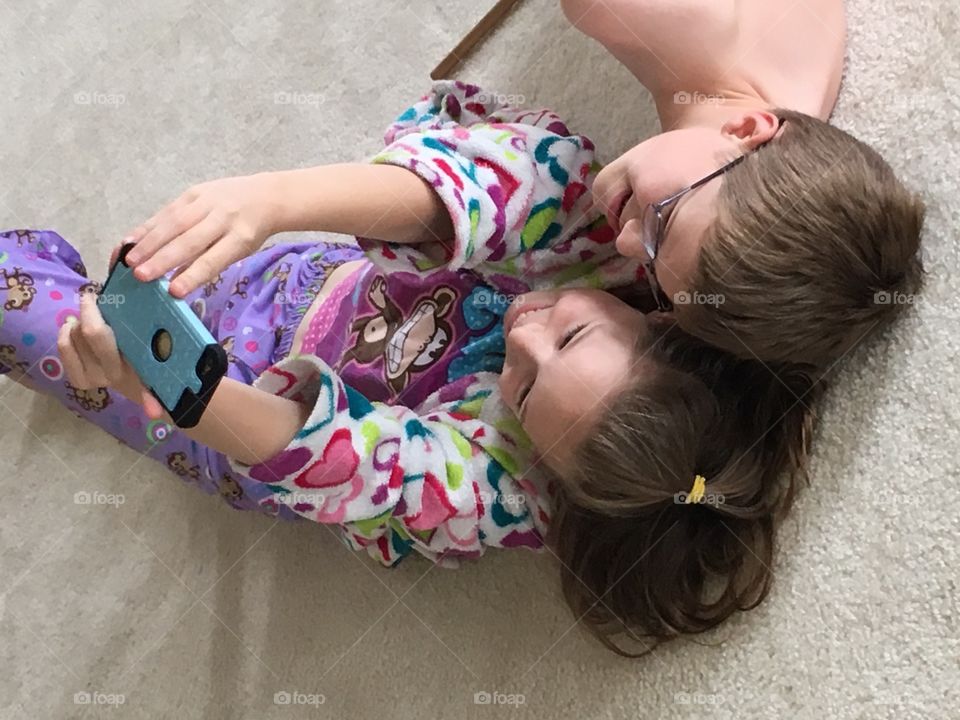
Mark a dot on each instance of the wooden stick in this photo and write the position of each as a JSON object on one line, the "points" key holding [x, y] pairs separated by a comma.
{"points": [[473, 38]]}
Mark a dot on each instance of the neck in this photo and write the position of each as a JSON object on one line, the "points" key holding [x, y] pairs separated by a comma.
{"points": [[680, 110]]}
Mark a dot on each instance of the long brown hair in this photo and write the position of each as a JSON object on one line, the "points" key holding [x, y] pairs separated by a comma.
{"points": [[639, 562]]}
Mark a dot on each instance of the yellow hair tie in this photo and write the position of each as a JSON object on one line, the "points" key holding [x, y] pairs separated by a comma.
{"points": [[698, 490]]}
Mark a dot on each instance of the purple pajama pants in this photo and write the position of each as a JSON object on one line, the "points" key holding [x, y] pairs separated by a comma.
{"points": [[253, 309]]}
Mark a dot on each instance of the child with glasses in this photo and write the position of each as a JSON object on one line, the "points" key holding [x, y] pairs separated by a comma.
{"points": [[438, 388], [748, 194]]}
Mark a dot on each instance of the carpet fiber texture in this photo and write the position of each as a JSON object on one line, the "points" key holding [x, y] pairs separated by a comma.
{"points": [[186, 608]]}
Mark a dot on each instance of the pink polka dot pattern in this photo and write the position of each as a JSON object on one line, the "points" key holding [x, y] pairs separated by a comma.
{"points": [[66, 313], [51, 367], [322, 320]]}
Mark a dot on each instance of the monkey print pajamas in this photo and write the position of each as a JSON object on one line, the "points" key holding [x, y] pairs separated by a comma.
{"points": [[409, 445]]}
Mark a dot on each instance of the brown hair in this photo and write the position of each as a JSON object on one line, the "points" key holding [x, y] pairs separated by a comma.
{"points": [[814, 241], [636, 560]]}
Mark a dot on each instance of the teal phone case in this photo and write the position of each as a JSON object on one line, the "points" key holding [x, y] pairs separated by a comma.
{"points": [[172, 352]]}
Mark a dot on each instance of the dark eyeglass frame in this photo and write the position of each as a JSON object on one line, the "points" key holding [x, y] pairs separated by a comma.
{"points": [[655, 223]]}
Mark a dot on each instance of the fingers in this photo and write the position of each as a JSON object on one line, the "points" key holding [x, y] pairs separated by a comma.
{"points": [[221, 255], [69, 356], [182, 250], [78, 359], [137, 234], [99, 337], [88, 348], [173, 220]]}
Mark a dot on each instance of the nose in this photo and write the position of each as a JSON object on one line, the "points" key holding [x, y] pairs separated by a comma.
{"points": [[527, 344], [629, 243]]}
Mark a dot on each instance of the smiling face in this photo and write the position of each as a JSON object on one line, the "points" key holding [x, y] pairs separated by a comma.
{"points": [[568, 353], [662, 166]]}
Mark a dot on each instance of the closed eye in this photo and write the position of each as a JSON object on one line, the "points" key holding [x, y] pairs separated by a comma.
{"points": [[568, 338], [668, 214], [522, 397]]}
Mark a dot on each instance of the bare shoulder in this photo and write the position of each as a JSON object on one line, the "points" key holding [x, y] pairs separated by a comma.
{"points": [[791, 52], [798, 52]]}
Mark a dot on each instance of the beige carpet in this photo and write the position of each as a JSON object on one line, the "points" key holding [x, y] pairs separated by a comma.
{"points": [[189, 609]]}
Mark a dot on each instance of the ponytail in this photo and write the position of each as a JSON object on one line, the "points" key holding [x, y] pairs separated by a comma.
{"points": [[649, 552]]}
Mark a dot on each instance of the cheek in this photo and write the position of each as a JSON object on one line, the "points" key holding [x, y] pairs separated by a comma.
{"points": [[670, 280], [677, 261], [540, 421], [675, 271], [551, 444]]}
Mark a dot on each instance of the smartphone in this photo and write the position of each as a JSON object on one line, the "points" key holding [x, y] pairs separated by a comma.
{"points": [[172, 352]]}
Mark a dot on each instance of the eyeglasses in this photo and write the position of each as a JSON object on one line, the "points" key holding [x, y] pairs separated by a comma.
{"points": [[657, 215]]}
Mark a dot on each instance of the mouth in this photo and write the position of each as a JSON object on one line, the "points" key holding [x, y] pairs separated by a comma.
{"points": [[518, 310], [616, 211]]}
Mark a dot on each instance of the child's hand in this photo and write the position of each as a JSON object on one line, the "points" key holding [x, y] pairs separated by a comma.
{"points": [[206, 229], [91, 359]]}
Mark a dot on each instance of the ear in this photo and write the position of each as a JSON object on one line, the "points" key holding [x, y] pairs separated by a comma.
{"points": [[752, 128]]}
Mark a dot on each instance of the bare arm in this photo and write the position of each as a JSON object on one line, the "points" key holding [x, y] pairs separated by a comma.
{"points": [[245, 423], [377, 201], [216, 223], [240, 421], [384, 202], [786, 53]]}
